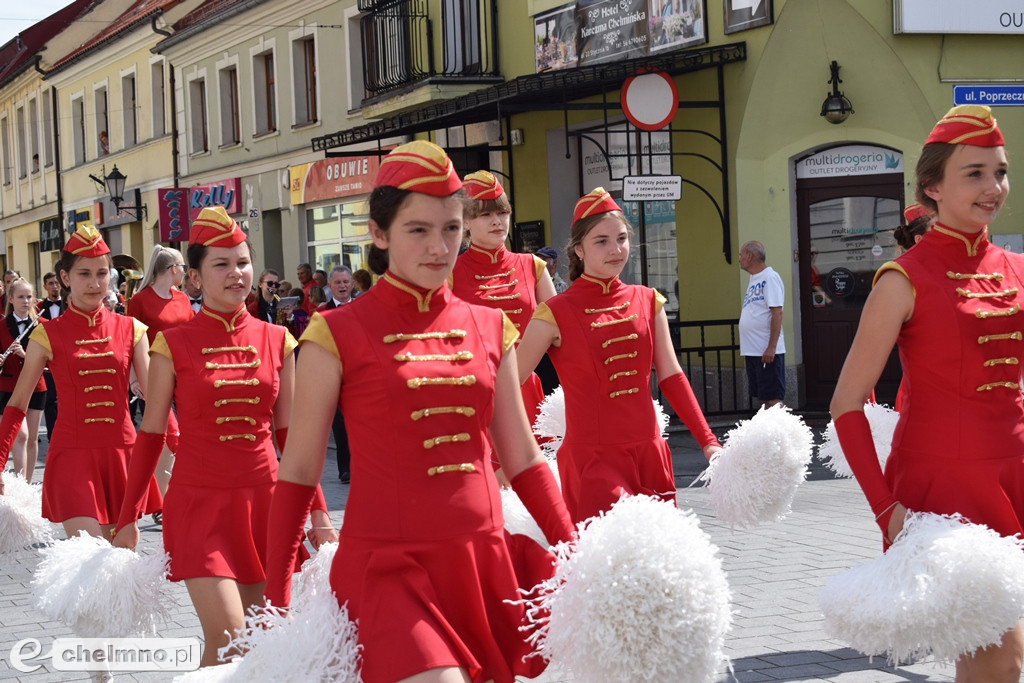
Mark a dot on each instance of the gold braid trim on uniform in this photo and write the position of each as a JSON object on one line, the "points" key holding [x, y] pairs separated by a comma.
{"points": [[617, 321], [90, 420], [623, 392], [236, 418], [998, 277], [489, 277], [1014, 336], [447, 438], [443, 410], [232, 437], [410, 358], [224, 401], [507, 297], [1001, 361], [82, 342], [620, 307], [404, 336], [232, 366], [223, 349], [443, 469], [608, 342], [501, 286], [999, 385], [625, 373], [609, 359], [100, 404], [99, 386], [1014, 310], [464, 381], [985, 295], [105, 354], [513, 311], [217, 384], [100, 371]]}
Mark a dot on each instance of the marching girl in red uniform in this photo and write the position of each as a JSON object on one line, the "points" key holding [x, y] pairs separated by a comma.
{"points": [[952, 303], [160, 305], [603, 336], [90, 352], [421, 376], [21, 318], [490, 275], [232, 377]]}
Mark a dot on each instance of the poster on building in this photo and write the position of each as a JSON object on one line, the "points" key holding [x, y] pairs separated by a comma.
{"points": [[741, 15], [597, 31], [332, 178], [555, 39], [172, 203]]}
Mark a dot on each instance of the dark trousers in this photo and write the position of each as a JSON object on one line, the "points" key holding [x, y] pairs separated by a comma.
{"points": [[340, 442], [50, 407]]}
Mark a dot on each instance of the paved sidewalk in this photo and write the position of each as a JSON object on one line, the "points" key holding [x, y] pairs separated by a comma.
{"points": [[775, 572]]}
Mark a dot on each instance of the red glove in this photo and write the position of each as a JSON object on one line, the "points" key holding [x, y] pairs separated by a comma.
{"points": [[172, 434], [145, 455], [318, 500], [9, 426], [288, 510], [680, 395], [539, 493], [859, 448]]}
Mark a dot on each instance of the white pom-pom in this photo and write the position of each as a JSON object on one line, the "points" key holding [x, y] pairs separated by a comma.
{"points": [[882, 420], [99, 590], [315, 626], [753, 480], [550, 422], [944, 588], [517, 519], [662, 417], [21, 521], [640, 596]]}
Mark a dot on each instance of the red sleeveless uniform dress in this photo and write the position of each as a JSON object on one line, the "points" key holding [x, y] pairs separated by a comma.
{"points": [[959, 442], [87, 461], [423, 562], [227, 376], [10, 371], [613, 443], [507, 281]]}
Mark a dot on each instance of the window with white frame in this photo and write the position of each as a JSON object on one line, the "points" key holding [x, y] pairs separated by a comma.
{"points": [[338, 234], [33, 136], [304, 79], [200, 135], [157, 98], [78, 129], [5, 149], [47, 128], [129, 110], [230, 112], [264, 90], [21, 135], [102, 122]]}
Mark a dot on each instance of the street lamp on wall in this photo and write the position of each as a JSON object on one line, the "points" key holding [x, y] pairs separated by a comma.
{"points": [[114, 183], [836, 108]]}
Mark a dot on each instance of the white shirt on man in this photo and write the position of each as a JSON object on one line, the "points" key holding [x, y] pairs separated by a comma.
{"points": [[764, 292]]}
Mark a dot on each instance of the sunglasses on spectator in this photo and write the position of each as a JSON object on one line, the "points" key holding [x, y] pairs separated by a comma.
{"points": [[272, 285]]}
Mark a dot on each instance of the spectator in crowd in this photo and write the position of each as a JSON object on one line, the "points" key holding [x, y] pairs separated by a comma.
{"points": [[304, 273], [265, 306], [362, 281], [104, 144], [550, 256], [320, 277], [50, 308], [761, 341], [18, 324], [341, 283], [194, 294], [294, 317]]}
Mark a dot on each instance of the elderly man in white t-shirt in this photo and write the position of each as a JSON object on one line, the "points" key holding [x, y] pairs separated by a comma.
{"points": [[761, 342]]}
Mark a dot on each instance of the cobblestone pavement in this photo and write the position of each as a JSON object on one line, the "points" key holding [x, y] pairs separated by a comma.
{"points": [[774, 571]]}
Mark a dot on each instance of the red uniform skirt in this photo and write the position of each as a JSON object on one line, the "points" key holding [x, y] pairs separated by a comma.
{"points": [[89, 482], [218, 532], [436, 603], [594, 477]]}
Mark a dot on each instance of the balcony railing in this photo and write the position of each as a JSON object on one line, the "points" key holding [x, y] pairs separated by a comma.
{"points": [[399, 39]]}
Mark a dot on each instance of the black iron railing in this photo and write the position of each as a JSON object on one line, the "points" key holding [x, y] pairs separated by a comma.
{"points": [[709, 352]]}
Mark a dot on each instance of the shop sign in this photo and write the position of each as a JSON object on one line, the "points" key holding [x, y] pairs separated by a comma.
{"points": [[226, 193], [174, 220], [332, 178], [74, 217], [179, 206], [106, 215], [989, 95], [958, 16], [850, 160], [51, 237]]}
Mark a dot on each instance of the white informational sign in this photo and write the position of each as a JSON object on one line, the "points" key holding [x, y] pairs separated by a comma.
{"points": [[958, 16], [646, 188], [850, 160]]}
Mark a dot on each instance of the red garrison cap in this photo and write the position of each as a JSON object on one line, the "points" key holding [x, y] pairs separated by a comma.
{"points": [[482, 186], [86, 241], [967, 124], [419, 166], [915, 211], [215, 228], [595, 202]]}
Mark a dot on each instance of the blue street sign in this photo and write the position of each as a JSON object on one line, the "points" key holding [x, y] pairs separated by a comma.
{"points": [[989, 95]]}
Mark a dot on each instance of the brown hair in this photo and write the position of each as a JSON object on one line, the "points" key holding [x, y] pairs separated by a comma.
{"points": [[579, 231], [930, 170], [18, 284], [476, 207], [66, 262], [905, 234]]}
